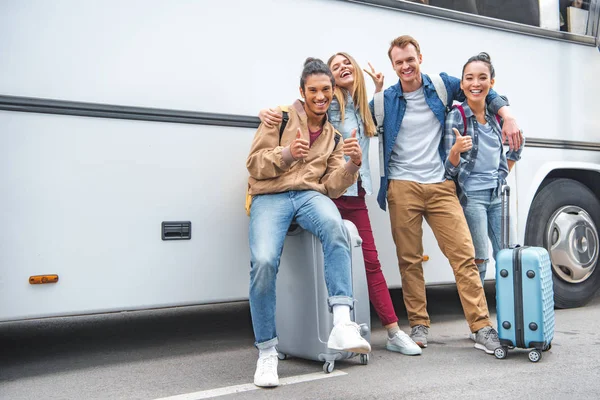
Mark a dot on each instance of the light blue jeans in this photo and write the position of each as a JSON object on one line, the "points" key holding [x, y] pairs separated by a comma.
{"points": [[483, 213], [270, 218]]}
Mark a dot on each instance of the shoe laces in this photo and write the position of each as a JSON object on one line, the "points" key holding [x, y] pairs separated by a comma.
{"points": [[354, 326], [267, 364], [403, 337], [419, 329], [490, 334]]}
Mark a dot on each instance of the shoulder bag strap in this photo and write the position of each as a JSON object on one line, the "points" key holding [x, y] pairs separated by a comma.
{"points": [[464, 117], [379, 117]]}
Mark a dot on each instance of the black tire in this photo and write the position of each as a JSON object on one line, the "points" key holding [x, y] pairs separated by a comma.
{"points": [[551, 198], [364, 359]]}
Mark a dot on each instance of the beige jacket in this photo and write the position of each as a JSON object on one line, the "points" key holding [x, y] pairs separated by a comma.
{"points": [[324, 170]]}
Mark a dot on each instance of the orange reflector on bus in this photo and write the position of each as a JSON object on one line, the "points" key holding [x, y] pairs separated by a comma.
{"points": [[41, 279], [425, 258]]}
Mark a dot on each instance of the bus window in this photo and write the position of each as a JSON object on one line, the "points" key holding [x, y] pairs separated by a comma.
{"points": [[521, 11], [575, 16]]}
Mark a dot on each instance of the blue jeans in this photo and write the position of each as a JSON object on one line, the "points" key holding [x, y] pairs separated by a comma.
{"points": [[270, 218], [483, 213]]}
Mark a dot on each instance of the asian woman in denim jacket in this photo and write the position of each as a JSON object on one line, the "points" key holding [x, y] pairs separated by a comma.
{"points": [[476, 160], [349, 113]]}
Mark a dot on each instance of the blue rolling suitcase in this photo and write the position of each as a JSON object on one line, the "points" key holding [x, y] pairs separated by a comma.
{"points": [[524, 295]]}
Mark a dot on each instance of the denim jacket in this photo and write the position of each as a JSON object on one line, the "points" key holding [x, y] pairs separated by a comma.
{"points": [[395, 107], [353, 120], [468, 159]]}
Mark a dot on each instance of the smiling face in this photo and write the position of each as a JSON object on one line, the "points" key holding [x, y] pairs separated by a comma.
{"points": [[406, 61], [317, 94], [343, 71], [476, 81]]}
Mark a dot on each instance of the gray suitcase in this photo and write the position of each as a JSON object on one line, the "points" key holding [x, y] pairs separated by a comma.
{"points": [[303, 319]]}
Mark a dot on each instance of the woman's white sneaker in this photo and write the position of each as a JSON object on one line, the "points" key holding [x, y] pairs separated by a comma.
{"points": [[346, 336], [266, 372], [402, 343]]}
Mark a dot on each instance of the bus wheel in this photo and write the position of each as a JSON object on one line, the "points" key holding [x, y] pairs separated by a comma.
{"points": [[564, 218]]}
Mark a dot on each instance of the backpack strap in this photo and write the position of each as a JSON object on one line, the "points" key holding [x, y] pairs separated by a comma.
{"points": [[440, 88], [379, 109], [285, 118], [336, 139], [460, 108]]}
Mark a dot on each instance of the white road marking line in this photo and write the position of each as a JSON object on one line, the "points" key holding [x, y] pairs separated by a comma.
{"points": [[207, 394]]}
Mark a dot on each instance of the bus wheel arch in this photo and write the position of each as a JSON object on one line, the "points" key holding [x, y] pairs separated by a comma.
{"points": [[564, 217]]}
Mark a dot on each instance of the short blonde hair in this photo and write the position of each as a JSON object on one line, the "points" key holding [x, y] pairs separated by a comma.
{"points": [[402, 42]]}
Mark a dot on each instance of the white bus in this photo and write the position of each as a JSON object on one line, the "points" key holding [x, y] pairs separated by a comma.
{"points": [[125, 126]]}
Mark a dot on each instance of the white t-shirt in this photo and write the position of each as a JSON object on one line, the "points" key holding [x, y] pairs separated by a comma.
{"points": [[415, 156]]}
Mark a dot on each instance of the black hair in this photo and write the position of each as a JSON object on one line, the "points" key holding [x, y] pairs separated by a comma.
{"points": [[314, 66], [484, 58]]}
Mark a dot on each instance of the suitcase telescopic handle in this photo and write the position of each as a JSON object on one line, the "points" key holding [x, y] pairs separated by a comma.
{"points": [[505, 221]]}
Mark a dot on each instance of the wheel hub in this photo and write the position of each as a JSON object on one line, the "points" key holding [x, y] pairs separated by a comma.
{"points": [[574, 245]]}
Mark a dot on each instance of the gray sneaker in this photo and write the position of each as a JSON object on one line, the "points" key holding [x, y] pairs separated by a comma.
{"points": [[419, 334], [486, 339]]}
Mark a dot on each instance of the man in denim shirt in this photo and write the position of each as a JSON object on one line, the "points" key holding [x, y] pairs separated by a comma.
{"points": [[415, 186]]}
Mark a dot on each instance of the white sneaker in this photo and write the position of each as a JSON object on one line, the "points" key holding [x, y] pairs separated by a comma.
{"points": [[346, 336], [402, 343], [266, 372]]}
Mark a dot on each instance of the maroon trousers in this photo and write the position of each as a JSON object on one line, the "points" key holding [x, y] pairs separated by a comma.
{"points": [[354, 209]]}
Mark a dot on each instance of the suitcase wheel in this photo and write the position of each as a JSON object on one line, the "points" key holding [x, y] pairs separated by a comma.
{"points": [[328, 367], [535, 355], [501, 352], [548, 347], [364, 359], [282, 356]]}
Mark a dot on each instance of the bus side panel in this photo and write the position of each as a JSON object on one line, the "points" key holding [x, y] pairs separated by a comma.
{"points": [[84, 198]]}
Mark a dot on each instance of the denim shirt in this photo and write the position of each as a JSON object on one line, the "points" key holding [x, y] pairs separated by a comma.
{"points": [[395, 107], [468, 159], [353, 120]]}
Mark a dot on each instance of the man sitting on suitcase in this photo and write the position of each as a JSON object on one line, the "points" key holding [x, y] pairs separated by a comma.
{"points": [[293, 176]]}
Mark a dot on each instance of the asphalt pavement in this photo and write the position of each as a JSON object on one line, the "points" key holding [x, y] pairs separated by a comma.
{"points": [[197, 352]]}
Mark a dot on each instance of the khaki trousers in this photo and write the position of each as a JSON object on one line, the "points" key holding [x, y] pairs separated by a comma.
{"points": [[409, 202]]}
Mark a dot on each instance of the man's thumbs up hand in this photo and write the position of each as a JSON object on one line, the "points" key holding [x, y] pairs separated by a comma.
{"points": [[299, 147]]}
